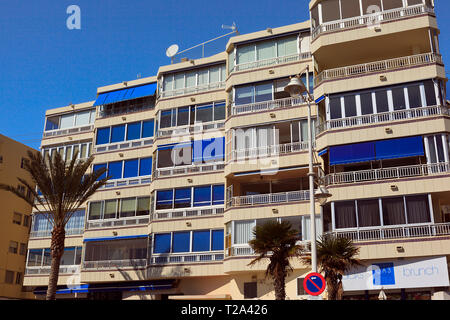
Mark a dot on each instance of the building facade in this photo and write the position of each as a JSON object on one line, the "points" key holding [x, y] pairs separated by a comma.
{"points": [[15, 220], [207, 149]]}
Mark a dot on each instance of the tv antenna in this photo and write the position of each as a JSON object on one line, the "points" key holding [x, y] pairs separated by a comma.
{"points": [[172, 51]]}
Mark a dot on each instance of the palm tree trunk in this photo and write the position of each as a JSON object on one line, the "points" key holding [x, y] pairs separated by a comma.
{"points": [[280, 288], [57, 250], [332, 288]]}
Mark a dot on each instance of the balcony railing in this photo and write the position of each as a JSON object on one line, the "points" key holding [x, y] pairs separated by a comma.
{"points": [[63, 132], [200, 127], [187, 213], [269, 198], [267, 151], [377, 66], [394, 232], [127, 182], [115, 111], [191, 90], [117, 222], [371, 19], [266, 105], [115, 264], [48, 233], [186, 257], [46, 270], [174, 171], [388, 173], [124, 145], [271, 62], [369, 119], [245, 249]]}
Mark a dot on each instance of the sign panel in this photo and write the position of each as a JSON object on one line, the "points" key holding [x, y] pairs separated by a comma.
{"points": [[314, 284], [398, 274]]}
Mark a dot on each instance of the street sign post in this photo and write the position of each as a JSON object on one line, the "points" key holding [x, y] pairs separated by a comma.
{"points": [[314, 284]]}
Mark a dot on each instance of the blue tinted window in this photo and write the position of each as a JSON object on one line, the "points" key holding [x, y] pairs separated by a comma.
{"points": [[182, 198], [164, 199], [181, 242], [115, 169], [118, 133], [200, 241], [100, 166], [218, 194], [202, 196], [161, 243], [217, 240], [102, 136], [148, 128], [52, 123], [145, 168], [134, 131], [130, 168]]}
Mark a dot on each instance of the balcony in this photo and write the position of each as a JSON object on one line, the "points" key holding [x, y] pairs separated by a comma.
{"points": [[394, 232], [48, 233], [421, 170], [266, 106], [46, 270], [187, 213], [270, 198], [124, 145], [127, 182], [186, 258], [377, 66], [191, 169], [117, 222], [371, 19], [268, 151], [114, 264], [193, 90], [188, 130], [125, 107], [64, 132], [384, 117], [271, 62]]}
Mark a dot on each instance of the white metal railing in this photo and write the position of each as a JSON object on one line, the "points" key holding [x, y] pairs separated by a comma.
{"points": [[117, 222], [271, 62], [190, 90], [186, 257], [124, 145], [240, 250], [46, 270], [371, 20], [105, 112], [268, 198], [62, 132], [268, 151], [377, 66], [387, 173], [198, 127], [394, 232], [48, 233], [127, 182], [187, 213], [382, 117], [113, 264], [196, 168], [266, 105]]}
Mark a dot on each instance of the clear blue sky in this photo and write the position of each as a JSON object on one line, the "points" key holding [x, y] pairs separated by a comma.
{"points": [[45, 65]]}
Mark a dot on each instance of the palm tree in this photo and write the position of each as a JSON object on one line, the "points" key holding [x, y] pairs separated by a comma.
{"points": [[64, 187], [276, 241], [335, 256]]}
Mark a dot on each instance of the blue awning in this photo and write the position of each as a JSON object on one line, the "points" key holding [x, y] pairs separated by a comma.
{"points": [[126, 94], [352, 153], [82, 288], [399, 148], [322, 152], [115, 238]]}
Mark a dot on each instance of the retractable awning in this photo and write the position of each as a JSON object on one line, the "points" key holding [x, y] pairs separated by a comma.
{"points": [[352, 153], [126, 94]]}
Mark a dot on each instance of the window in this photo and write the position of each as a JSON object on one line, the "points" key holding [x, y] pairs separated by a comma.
{"points": [[148, 128], [115, 169], [393, 211], [204, 113], [250, 290], [218, 195], [217, 240], [26, 221], [9, 276], [201, 241], [414, 97], [182, 198], [300, 289], [134, 131], [70, 120], [392, 4], [119, 208], [117, 133], [382, 101], [164, 199], [162, 243], [335, 108], [19, 278], [398, 96], [350, 9], [103, 135], [430, 93], [17, 218], [125, 132], [188, 79], [369, 5], [436, 148], [95, 210], [110, 209], [202, 196], [145, 167], [350, 106], [52, 123], [181, 242], [345, 214], [366, 103], [116, 250], [143, 206], [127, 207], [368, 213], [330, 10], [34, 258], [13, 247], [417, 208], [23, 249]]}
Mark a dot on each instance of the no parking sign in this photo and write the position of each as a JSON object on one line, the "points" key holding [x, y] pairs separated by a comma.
{"points": [[314, 284]]}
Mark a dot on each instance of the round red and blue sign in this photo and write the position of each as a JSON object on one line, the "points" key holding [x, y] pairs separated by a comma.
{"points": [[314, 284]]}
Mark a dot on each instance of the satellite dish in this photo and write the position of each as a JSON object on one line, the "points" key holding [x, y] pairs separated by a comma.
{"points": [[172, 51]]}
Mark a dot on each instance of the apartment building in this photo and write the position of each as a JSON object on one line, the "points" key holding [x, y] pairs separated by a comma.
{"points": [[15, 220], [207, 149]]}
